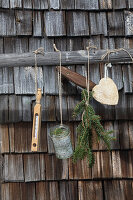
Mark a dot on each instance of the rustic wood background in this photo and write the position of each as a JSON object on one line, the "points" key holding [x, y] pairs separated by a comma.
{"points": [[26, 25]]}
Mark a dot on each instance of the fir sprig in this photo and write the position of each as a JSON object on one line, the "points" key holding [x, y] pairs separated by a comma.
{"points": [[90, 123]]}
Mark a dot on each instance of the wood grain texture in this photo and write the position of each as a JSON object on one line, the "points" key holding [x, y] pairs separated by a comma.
{"points": [[40, 4], [128, 23], [54, 23], [27, 4], [116, 23], [13, 168], [116, 164], [67, 4], [4, 4], [127, 78], [15, 3], [31, 167], [116, 186], [37, 23], [55, 168], [54, 4], [23, 22], [105, 4], [77, 23], [15, 108], [4, 108], [98, 23], [87, 5], [4, 139], [90, 190], [68, 190], [130, 4], [68, 58], [119, 4], [7, 16]]}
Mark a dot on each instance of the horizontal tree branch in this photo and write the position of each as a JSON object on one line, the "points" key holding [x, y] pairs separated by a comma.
{"points": [[68, 58]]}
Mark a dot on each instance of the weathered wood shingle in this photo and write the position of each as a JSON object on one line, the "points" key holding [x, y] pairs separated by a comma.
{"points": [[23, 22], [54, 23], [7, 16], [128, 23], [77, 23], [15, 3], [40, 4], [87, 5], [98, 23], [116, 23]]}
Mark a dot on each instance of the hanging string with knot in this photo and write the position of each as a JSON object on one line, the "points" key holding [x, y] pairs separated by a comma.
{"points": [[38, 51], [108, 52], [59, 83], [88, 69]]}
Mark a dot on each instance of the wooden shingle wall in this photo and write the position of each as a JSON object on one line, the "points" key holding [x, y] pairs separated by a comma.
{"points": [[26, 25]]}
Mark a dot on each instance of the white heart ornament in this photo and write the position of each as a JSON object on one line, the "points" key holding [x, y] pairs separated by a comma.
{"points": [[106, 92]]}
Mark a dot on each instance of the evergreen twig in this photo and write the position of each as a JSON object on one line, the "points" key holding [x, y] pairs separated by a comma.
{"points": [[90, 123]]}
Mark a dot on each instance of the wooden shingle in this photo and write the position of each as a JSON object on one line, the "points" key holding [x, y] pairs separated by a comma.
{"points": [[119, 4], [68, 190], [98, 23], [4, 138], [27, 191], [130, 125], [56, 169], [37, 23], [77, 23], [23, 22], [67, 4], [128, 23], [124, 135], [116, 165], [130, 3], [42, 190], [116, 23], [111, 186], [87, 5], [4, 108], [105, 4], [7, 16], [15, 108], [4, 4], [27, 4], [13, 168], [40, 4], [54, 4], [25, 80], [90, 190], [79, 170], [15, 3], [31, 167], [54, 23], [127, 78], [48, 108]]}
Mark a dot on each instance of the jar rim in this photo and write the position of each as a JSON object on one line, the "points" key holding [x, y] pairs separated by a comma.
{"points": [[59, 136]]}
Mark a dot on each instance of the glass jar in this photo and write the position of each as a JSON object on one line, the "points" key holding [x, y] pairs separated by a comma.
{"points": [[60, 135]]}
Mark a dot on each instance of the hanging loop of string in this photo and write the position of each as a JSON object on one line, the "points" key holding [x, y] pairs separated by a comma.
{"points": [[108, 52], [88, 68], [38, 51], [106, 69], [59, 83]]}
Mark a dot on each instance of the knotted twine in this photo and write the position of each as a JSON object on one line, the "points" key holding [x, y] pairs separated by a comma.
{"points": [[59, 83], [38, 51], [88, 69]]}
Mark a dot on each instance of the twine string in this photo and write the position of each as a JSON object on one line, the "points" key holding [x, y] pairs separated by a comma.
{"points": [[38, 51], [88, 69], [108, 52], [59, 83]]}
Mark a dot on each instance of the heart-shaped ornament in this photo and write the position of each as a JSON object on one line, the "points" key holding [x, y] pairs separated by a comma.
{"points": [[106, 92]]}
